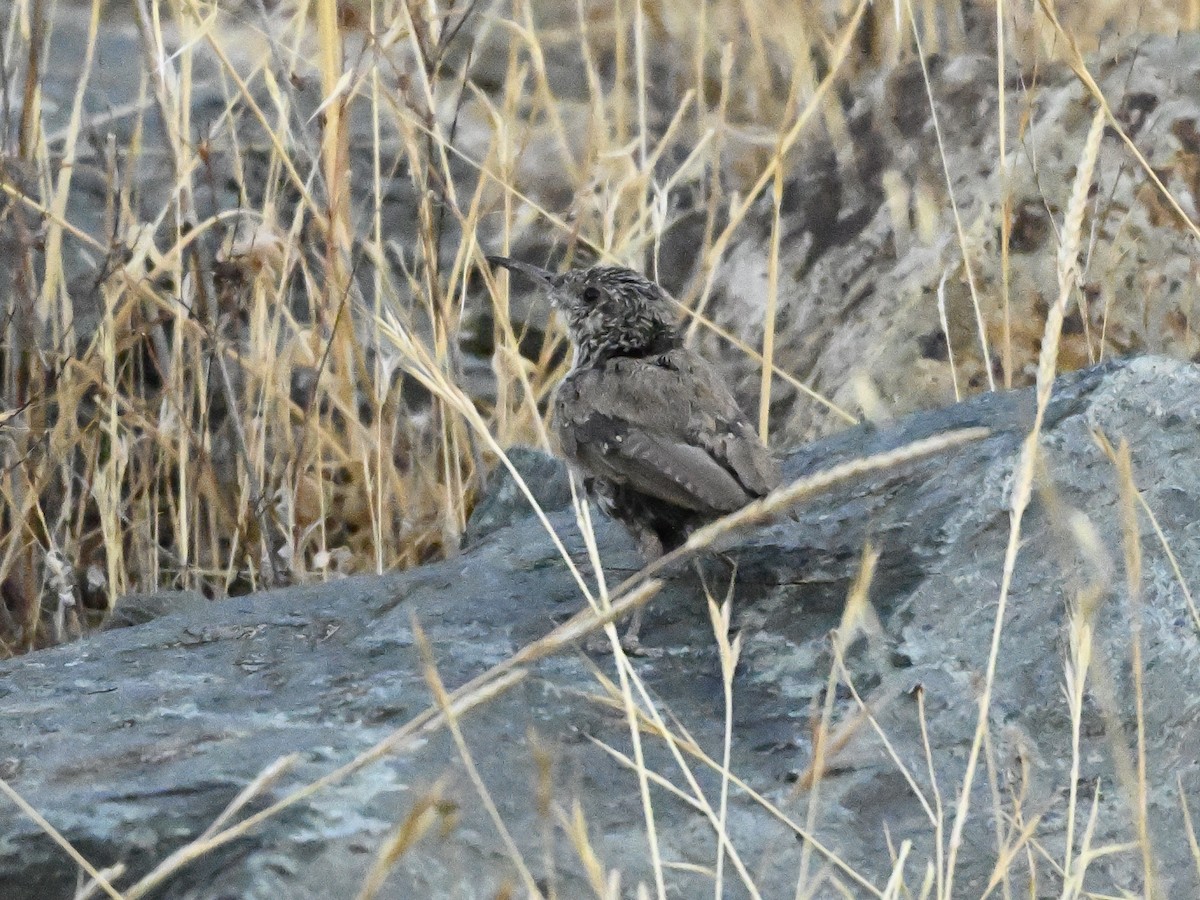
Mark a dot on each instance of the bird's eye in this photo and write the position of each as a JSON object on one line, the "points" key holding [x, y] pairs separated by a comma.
{"points": [[591, 295]]}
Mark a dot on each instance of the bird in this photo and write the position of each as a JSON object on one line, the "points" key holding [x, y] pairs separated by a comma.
{"points": [[648, 424]]}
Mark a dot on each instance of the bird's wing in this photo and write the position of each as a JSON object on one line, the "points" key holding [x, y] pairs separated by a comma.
{"points": [[679, 473], [744, 454], [673, 432]]}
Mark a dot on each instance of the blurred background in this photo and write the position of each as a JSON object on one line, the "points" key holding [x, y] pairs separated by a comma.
{"points": [[248, 337]]}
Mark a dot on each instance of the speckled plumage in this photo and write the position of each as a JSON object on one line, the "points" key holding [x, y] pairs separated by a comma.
{"points": [[650, 425]]}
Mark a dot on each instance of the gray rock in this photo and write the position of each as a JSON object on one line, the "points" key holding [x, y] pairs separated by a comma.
{"points": [[504, 502], [132, 742], [140, 608]]}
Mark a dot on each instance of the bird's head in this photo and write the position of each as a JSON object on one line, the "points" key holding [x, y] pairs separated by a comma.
{"points": [[610, 310]]}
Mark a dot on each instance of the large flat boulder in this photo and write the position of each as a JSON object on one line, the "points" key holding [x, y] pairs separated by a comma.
{"points": [[132, 742]]}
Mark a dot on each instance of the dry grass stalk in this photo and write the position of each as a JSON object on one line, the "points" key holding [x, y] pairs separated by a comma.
{"points": [[728, 650], [425, 814], [825, 745], [958, 225], [1075, 58], [1023, 475], [442, 698], [686, 744], [1132, 540], [97, 877], [627, 678], [1193, 844]]}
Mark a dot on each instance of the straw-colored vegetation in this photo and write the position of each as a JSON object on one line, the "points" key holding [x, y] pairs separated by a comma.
{"points": [[284, 373]]}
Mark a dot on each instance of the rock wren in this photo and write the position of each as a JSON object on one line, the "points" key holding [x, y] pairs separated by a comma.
{"points": [[649, 424]]}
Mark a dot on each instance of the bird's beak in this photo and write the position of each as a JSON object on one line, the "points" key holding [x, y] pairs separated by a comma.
{"points": [[536, 273]]}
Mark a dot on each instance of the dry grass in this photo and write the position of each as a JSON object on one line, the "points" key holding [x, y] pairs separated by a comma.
{"points": [[277, 388], [253, 389]]}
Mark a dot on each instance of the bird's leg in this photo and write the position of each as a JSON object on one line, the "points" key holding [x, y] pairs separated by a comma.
{"points": [[698, 565], [651, 547], [731, 563], [630, 642]]}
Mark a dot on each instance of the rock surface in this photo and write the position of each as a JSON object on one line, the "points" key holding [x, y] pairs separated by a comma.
{"points": [[132, 742], [864, 255]]}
